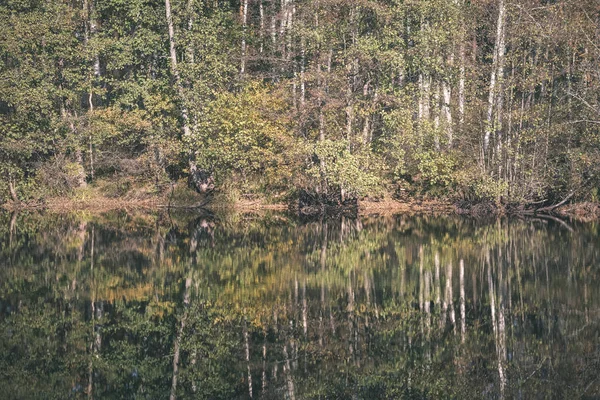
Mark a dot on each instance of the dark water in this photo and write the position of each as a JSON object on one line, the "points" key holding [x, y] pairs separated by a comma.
{"points": [[149, 306]]}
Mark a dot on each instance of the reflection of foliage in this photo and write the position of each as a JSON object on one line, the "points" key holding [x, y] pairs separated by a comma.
{"points": [[357, 308]]}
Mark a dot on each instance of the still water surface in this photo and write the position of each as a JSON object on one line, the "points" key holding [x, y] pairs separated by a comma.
{"points": [[157, 306]]}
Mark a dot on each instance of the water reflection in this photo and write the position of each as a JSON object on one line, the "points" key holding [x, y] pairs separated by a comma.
{"points": [[245, 306]]}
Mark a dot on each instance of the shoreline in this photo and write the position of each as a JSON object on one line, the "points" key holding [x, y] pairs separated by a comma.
{"points": [[102, 204], [583, 211]]}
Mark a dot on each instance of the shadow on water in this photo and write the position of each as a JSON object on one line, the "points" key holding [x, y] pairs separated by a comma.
{"points": [[268, 306]]}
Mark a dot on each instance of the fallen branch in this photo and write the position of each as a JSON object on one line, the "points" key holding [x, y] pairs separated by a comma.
{"points": [[555, 206]]}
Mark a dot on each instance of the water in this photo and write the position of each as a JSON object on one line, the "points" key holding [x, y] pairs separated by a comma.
{"points": [[152, 306]]}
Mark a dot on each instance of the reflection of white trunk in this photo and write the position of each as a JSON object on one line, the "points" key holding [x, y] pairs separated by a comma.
{"points": [[367, 286], [403, 277], [288, 375], [421, 280], [96, 315], [351, 316], [496, 328], [247, 348], [448, 303], [90, 394], [438, 286], [264, 362], [428, 300], [323, 262], [304, 309], [177, 345], [463, 313], [501, 327]]}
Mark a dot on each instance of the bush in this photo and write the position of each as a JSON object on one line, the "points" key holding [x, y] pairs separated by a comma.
{"points": [[340, 169]]}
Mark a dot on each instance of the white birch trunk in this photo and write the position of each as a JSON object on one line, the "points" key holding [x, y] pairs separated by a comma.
{"points": [[446, 98], [244, 33], [436, 118], [461, 70], [180, 92], [261, 33], [424, 93], [302, 75], [496, 75]]}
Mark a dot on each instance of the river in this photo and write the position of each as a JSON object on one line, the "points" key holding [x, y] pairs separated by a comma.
{"points": [[267, 306]]}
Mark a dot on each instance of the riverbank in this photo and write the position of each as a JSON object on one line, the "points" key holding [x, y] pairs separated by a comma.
{"points": [[93, 201], [101, 203]]}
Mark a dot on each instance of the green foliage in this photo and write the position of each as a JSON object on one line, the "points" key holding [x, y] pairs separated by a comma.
{"points": [[383, 92], [343, 170], [244, 136], [437, 168]]}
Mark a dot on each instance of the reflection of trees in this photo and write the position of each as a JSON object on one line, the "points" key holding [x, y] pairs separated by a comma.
{"points": [[247, 306]]}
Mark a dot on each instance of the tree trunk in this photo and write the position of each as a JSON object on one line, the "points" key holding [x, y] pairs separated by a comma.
{"points": [[496, 75], [273, 30], [91, 27], [424, 89], [12, 189], [461, 69], [244, 13], [291, 10], [461, 86], [80, 171], [436, 118], [200, 180], [11, 228], [302, 77], [190, 27], [447, 95], [261, 32], [78, 153]]}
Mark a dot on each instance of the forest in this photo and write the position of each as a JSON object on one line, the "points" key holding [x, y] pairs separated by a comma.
{"points": [[468, 100]]}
